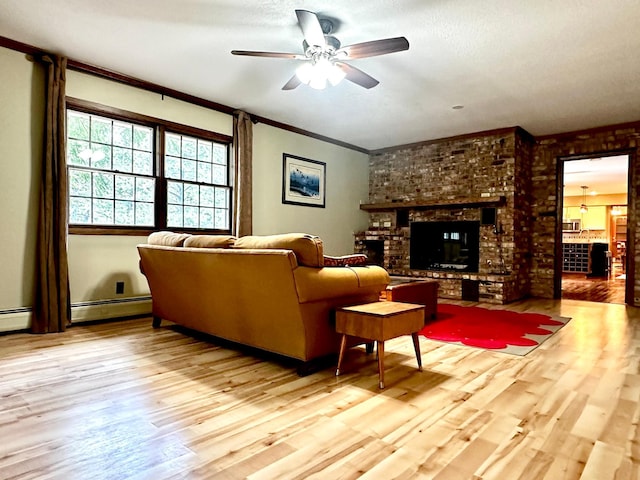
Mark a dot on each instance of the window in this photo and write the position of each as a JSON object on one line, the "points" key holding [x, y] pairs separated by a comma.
{"points": [[132, 174], [110, 167], [197, 186]]}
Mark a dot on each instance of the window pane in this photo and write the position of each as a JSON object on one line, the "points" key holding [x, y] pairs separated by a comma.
{"points": [[206, 196], [101, 156], [206, 217], [122, 134], [221, 219], [172, 144], [204, 172], [103, 185], [100, 130], [144, 214], [78, 152], [142, 138], [191, 195], [191, 217], [204, 151], [125, 187], [189, 147], [222, 198], [102, 211], [145, 189], [189, 170], [220, 154], [78, 125], [172, 167], [124, 213], [219, 175], [79, 210], [142, 162], [122, 160], [79, 183], [174, 216], [174, 195]]}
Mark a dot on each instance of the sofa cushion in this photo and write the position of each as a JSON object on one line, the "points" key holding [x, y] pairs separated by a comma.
{"points": [[308, 248], [210, 241], [357, 259], [167, 239]]}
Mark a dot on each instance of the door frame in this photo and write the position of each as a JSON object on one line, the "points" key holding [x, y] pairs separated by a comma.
{"points": [[631, 219]]}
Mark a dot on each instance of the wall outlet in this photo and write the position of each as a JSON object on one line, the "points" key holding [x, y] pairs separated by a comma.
{"points": [[119, 288]]}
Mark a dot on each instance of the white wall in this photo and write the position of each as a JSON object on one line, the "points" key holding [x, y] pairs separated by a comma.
{"points": [[347, 184], [97, 262], [21, 120]]}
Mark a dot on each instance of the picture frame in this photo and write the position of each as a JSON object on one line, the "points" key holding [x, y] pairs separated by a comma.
{"points": [[303, 181]]}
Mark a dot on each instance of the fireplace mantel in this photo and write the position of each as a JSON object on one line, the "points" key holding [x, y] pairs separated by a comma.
{"points": [[425, 204]]}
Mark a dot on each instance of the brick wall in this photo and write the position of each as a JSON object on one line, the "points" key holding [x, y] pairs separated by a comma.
{"points": [[508, 163]]}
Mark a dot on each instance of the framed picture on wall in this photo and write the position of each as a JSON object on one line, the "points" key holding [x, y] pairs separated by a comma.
{"points": [[303, 181]]}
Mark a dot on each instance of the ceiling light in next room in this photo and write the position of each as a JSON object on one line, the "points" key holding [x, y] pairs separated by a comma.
{"points": [[583, 205]]}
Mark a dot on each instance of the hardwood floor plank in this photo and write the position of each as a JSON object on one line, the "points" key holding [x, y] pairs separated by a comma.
{"points": [[123, 400]]}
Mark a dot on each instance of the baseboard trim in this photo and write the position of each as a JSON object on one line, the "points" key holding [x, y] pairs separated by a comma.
{"points": [[19, 319]]}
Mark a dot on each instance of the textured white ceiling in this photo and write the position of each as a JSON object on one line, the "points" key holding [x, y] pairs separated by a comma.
{"points": [[549, 66]]}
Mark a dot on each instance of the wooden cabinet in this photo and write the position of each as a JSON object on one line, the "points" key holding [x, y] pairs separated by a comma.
{"points": [[575, 257], [621, 229], [594, 219]]}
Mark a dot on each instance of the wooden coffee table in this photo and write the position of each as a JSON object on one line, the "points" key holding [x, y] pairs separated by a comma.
{"points": [[380, 321]]}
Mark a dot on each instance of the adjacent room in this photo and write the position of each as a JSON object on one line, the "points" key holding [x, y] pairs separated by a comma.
{"points": [[291, 240]]}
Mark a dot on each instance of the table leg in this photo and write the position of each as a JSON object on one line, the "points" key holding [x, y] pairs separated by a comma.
{"points": [[416, 346], [343, 344], [381, 362]]}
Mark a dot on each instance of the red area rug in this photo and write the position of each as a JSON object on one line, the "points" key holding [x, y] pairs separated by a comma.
{"points": [[501, 330]]}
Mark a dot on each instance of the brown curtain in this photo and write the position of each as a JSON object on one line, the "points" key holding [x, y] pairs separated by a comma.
{"points": [[243, 150], [51, 306]]}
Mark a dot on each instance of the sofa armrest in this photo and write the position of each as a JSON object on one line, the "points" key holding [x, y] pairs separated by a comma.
{"points": [[313, 284]]}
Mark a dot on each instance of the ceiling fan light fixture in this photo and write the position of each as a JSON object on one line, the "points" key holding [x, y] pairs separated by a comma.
{"points": [[305, 72], [318, 82], [319, 71]]}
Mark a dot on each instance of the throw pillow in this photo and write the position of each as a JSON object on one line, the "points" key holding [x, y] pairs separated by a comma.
{"points": [[357, 259], [210, 241], [167, 239]]}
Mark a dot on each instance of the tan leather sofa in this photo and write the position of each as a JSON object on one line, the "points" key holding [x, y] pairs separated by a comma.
{"points": [[268, 292]]}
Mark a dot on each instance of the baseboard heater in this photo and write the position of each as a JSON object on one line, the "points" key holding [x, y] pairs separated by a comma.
{"points": [[20, 318]]}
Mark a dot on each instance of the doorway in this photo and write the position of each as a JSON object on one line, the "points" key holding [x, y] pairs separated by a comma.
{"points": [[594, 228]]}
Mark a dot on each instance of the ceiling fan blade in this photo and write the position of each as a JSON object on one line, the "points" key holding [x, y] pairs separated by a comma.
{"points": [[357, 76], [311, 29], [250, 53], [292, 83], [375, 47]]}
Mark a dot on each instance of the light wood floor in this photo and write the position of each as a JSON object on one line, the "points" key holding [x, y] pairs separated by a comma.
{"points": [[124, 401]]}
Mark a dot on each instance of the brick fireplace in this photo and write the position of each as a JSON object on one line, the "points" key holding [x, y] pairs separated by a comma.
{"points": [[483, 180]]}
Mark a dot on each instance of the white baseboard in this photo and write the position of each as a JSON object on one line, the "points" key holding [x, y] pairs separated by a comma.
{"points": [[20, 319], [10, 322], [104, 310]]}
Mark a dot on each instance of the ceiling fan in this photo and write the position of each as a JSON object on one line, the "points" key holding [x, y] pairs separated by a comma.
{"points": [[325, 58]]}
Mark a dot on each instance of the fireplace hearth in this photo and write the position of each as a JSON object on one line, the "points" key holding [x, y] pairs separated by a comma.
{"points": [[445, 245]]}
